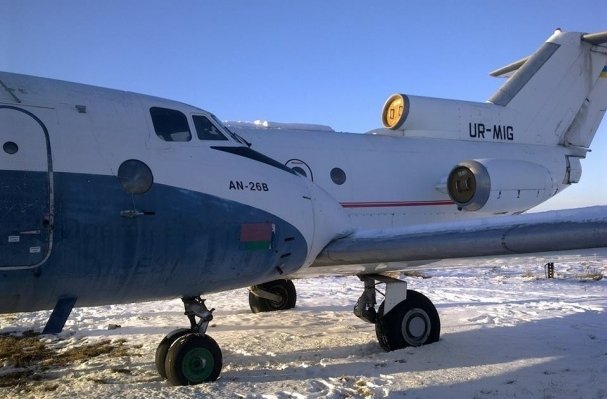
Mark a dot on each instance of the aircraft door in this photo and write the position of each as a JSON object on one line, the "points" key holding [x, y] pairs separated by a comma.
{"points": [[26, 208]]}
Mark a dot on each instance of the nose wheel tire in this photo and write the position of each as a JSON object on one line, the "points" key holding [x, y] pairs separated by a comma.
{"points": [[285, 289], [193, 359], [163, 349], [413, 322]]}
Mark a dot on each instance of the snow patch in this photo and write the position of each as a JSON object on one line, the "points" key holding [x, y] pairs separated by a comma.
{"points": [[503, 335]]}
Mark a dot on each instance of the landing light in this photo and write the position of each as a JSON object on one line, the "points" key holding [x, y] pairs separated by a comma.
{"points": [[395, 111]]}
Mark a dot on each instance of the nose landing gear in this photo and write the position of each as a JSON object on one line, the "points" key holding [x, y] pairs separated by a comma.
{"points": [[189, 356]]}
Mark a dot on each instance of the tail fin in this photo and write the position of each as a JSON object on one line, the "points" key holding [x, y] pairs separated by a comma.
{"points": [[586, 122], [560, 92]]}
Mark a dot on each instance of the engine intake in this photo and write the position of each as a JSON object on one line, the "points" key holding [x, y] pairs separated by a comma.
{"points": [[499, 185]]}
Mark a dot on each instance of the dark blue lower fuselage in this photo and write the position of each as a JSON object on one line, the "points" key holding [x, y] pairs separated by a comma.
{"points": [[109, 246]]}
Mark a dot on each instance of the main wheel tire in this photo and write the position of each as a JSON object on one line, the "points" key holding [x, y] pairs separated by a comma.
{"points": [[163, 349], [283, 288], [193, 359], [413, 322]]}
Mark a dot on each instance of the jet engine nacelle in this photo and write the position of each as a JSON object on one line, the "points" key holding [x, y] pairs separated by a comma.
{"points": [[499, 185]]}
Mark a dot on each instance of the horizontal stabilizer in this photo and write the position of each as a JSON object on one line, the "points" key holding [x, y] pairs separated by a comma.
{"points": [[519, 234], [508, 70], [595, 38]]}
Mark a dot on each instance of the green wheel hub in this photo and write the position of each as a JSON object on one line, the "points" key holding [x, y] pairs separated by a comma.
{"points": [[193, 359], [197, 365]]}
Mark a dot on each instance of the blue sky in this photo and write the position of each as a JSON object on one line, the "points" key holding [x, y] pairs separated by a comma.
{"points": [[327, 62]]}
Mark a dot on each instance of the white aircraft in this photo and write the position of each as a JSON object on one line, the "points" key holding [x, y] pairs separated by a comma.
{"points": [[113, 197]]}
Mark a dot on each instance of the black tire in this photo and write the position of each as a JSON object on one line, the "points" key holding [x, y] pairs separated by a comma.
{"points": [[193, 359], [413, 322], [163, 349], [283, 288]]}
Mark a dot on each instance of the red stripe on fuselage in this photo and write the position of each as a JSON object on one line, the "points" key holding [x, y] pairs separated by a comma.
{"points": [[394, 204]]}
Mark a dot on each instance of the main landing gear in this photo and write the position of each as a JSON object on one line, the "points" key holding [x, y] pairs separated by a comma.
{"points": [[187, 356], [405, 317], [271, 296]]}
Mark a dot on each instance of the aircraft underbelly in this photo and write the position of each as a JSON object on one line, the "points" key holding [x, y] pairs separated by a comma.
{"points": [[112, 247]]}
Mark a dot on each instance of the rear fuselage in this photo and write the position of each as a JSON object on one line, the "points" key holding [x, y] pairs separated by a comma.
{"points": [[389, 181]]}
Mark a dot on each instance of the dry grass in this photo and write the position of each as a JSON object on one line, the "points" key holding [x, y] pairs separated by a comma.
{"points": [[29, 358], [590, 275], [23, 351], [114, 348], [415, 273]]}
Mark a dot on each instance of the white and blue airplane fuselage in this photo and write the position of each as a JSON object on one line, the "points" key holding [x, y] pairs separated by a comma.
{"points": [[111, 197], [72, 225]]}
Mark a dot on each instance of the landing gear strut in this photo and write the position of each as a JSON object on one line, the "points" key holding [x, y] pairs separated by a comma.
{"points": [[272, 296], [189, 356], [405, 317]]}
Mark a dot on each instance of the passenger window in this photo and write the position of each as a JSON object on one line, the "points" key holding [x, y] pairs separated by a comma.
{"points": [[206, 130], [170, 125]]}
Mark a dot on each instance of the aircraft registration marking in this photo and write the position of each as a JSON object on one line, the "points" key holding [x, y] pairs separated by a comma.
{"points": [[497, 132], [240, 185]]}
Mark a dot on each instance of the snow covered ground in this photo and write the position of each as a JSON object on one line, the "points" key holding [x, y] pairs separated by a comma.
{"points": [[507, 332]]}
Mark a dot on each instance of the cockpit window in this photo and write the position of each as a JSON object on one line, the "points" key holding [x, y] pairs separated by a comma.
{"points": [[231, 133], [206, 130], [170, 124]]}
